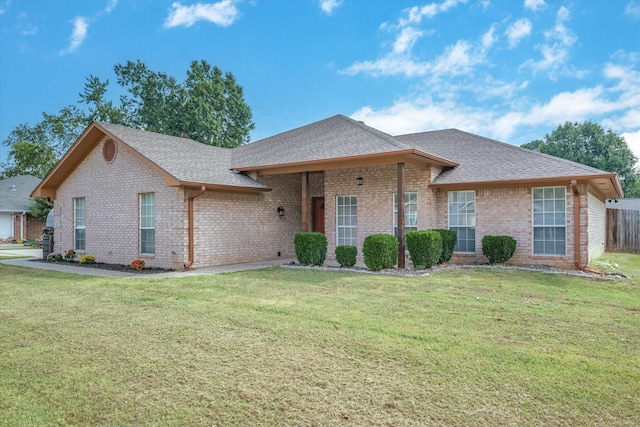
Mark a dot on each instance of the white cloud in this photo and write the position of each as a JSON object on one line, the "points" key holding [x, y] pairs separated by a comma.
{"points": [[78, 35], [406, 39], [415, 14], [555, 52], [222, 13], [328, 6], [534, 4], [110, 6], [389, 65], [489, 38], [632, 10], [517, 31], [456, 60]]}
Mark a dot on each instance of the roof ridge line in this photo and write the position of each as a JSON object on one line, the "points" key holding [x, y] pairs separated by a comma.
{"points": [[387, 137]]}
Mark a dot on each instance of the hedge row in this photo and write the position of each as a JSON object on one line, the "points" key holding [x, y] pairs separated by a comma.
{"points": [[426, 249]]}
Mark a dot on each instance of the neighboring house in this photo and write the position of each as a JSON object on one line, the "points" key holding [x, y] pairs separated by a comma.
{"points": [[15, 221], [123, 194], [624, 204]]}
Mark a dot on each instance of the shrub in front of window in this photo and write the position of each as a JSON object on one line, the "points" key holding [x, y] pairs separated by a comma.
{"points": [[380, 251], [346, 255], [498, 249], [54, 257], [449, 238], [88, 259], [311, 248], [137, 264], [425, 248]]}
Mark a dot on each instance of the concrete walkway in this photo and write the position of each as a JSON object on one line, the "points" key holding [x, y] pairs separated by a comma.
{"points": [[16, 250]]}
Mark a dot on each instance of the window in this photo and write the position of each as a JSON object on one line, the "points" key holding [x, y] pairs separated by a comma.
{"points": [[147, 224], [79, 238], [462, 219], [347, 221], [410, 212], [549, 221]]}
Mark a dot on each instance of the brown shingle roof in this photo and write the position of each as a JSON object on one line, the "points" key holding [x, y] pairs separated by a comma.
{"points": [[332, 138], [184, 159], [484, 160]]}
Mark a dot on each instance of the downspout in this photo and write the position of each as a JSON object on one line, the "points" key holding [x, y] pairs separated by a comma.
{"points": [[576, 230], [191, 250]]}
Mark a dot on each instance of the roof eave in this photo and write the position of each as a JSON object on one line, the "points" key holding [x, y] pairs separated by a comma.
{"points": [[614, 190], [222, 187], [410, 156]]}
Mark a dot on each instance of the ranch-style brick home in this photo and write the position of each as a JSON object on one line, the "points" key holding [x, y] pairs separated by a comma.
{"points": [[123, 194]]}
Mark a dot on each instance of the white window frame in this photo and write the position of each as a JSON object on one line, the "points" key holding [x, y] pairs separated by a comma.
{"points": [[147, 216], [410, 212], [549, 221], [347, 220], [462, 218], [79, 224]]}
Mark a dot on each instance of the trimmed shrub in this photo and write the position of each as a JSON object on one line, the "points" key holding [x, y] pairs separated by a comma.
{"points": [[380, 251], [425, 248], [54, 257], [346, 255], [498, 248], [311, 248], [449, 238]]}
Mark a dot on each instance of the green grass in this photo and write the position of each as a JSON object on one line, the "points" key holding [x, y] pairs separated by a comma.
{"points": [[470, 347]]}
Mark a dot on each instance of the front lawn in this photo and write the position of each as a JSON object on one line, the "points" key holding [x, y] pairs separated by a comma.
{"points": [[470, 347]]}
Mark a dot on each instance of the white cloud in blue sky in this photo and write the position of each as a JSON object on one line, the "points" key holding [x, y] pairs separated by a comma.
{"points": [[510, 70], [328, 6], [78, 35], [222, 13]]}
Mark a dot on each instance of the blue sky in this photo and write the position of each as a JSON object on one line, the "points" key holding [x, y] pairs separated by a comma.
{"points": [[512, 70]]}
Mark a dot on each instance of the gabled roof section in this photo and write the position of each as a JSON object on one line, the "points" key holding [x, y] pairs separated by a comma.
{"points": [[330, 143], [484, 161], [183, 162], [15, 191]]}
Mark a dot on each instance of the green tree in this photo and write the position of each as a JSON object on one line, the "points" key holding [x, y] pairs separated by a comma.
{"points": [[208, 107], [39, 207], [588, 143]]}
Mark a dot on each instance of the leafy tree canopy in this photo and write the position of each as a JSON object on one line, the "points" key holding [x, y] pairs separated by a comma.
{"points": [[208, 107], [588, 143]]}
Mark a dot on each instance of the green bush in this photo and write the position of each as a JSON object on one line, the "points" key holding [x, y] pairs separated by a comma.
{"points": [[380, 251], [449, 238], [346, 255], [311, 248], [54, 257], [498, 248], [425, 248]]}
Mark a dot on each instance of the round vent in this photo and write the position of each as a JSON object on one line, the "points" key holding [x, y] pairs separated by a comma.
{"points": [[109, 150]]}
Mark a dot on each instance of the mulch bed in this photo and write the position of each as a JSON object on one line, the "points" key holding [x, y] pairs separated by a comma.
{"points": [[112, 267]]}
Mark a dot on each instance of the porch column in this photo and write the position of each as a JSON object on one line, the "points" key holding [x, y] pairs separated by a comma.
{"points": [[400, 221], [305, 203]]}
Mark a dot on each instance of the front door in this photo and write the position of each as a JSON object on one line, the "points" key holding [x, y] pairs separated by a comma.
{"points": [[318, 214]]}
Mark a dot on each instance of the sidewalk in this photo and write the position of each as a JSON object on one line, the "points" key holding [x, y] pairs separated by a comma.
{"points": [[16, 250]]}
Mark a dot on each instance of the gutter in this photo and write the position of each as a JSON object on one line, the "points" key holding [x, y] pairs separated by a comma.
{"points": [[191, 238], [576, 230]]}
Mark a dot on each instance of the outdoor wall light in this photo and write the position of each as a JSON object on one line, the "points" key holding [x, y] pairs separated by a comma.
{"points": [[359, 180], [280, 211]]}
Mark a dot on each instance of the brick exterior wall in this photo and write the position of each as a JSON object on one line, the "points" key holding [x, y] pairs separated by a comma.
{"points": [[233, 227], [30, 225], [375, 199], [111, 192]]}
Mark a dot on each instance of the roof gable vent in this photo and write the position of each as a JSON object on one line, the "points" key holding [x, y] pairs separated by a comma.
{"points": [[109, 150]]}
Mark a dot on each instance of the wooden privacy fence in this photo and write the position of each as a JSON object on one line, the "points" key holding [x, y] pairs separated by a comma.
{"points": [[623, 230]]}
